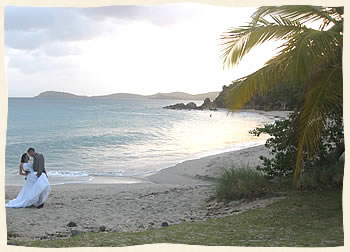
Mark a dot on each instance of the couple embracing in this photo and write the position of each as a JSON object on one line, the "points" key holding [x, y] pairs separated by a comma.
{"points": [[36, 188]]}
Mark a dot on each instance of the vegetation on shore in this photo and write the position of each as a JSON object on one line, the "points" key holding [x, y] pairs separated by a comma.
{"points": [[279, 224], [283, 97], [309, 58], [241, 183]]}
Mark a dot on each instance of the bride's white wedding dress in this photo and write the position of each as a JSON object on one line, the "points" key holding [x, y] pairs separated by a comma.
{"points": [[35, 191]]}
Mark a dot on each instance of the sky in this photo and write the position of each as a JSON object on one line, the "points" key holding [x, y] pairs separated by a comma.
{"points": [[123, 49]]}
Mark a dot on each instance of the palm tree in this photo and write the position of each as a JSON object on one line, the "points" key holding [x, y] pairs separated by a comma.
{"points": [[309, 58]]}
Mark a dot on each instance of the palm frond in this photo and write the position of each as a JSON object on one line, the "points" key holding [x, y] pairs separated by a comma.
{"points": [[238, 42], [260, 82], [308, 52], [323, 94], [300, 13]]}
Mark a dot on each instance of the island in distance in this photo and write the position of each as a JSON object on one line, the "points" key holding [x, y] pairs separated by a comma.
{"points": [[162, 96]]}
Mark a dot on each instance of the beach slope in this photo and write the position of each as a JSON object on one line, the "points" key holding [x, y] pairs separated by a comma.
{"points": [[178, 194]]}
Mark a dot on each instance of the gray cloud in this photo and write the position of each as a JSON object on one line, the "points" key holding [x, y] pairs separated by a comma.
{"points": [[29, 28], [29, 18], [25, 40]]}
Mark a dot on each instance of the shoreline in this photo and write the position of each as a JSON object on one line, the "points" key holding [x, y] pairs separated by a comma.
{"points": [[177, 194], [150, 177], [142, 178]]}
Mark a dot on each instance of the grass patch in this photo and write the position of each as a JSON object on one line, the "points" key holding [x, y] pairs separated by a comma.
{"points": [[303, 219], [241, 183]]}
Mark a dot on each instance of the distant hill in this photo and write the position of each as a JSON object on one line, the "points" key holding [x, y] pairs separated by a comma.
{"points": [[183, 96], [55, 94], [162, 96], [120, 96]]}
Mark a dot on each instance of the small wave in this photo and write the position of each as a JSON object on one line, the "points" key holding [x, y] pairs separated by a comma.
{"points": [[68, 173], [108, 174]]}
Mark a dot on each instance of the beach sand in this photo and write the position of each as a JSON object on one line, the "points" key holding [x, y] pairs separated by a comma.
{"points": [[182, 193]]}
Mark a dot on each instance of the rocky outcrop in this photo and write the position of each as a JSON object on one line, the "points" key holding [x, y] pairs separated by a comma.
{"points": [[191, 105], [179, 106], [207, 105]]}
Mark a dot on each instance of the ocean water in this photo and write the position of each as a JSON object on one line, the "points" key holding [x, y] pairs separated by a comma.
{"points": [[82, 139]]}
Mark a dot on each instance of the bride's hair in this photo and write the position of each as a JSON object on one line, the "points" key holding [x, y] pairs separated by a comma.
{"points": [[23, 157]]}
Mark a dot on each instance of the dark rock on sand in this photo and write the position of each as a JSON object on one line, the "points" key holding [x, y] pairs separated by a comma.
{"points": [[102, 228], [165, 224], [71, 224]]}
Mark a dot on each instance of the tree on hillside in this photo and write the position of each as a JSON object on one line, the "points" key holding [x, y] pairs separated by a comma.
{"points": [[310, 58]]}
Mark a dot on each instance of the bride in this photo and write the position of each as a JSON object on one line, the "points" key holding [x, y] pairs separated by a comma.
{"points": [[35, 190]]}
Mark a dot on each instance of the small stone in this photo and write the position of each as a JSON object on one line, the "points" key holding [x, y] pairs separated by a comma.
{"points": [[71, 224], [151, 223], [75, 232], [165, 224], [102, 228], [141, 226], [43, 237]]}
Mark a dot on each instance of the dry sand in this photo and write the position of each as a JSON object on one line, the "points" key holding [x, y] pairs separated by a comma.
{"points": [[173, 195]]}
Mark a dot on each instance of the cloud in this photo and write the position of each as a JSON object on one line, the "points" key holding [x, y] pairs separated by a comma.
{"points": [[25, 40], [30, 18], [29, 28], [37, 61], [139, 49], [58, 49], [165, 14]]}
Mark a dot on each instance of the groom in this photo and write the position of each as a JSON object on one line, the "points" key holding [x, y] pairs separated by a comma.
{"points": [[38, 165], [38, 162]]}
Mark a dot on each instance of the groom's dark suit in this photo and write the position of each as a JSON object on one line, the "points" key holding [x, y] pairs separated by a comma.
{"points": [[39, 163]]}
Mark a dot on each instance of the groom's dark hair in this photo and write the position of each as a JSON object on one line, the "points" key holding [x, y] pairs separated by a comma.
{"points": [[31, 149]]}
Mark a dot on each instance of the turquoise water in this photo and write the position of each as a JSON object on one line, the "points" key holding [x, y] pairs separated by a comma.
{"points": [[85, 138]]}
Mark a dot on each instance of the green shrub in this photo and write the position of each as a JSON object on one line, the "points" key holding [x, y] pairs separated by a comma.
{"points": [[241, 183], [283, 145], [324, 176]]}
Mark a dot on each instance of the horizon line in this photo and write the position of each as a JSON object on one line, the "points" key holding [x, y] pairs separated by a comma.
{"points": [[90, 96]]}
